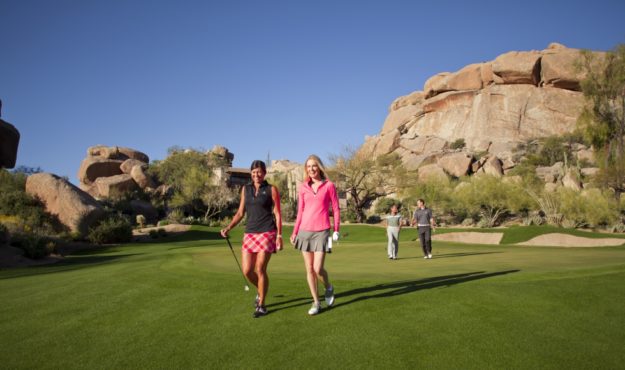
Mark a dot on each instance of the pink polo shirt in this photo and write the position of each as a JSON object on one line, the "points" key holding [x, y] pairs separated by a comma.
{"points": [[313, 209]]}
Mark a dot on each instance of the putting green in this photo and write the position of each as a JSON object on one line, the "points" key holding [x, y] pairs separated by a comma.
{"points": [[180, 303]]}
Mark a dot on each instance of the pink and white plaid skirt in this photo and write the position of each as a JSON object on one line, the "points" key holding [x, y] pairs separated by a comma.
{"points": [[260, 242]]}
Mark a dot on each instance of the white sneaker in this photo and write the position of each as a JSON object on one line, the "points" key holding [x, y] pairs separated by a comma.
{"points": [[430, 255], [425, 257], [316, 307], [330, 296]]}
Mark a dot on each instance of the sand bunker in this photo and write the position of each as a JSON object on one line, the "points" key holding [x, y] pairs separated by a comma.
{"points": [[171, 228], [565, 240], [469, 237]]}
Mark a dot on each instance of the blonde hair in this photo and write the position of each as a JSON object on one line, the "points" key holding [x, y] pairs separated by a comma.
{"points": [[322, 169]]}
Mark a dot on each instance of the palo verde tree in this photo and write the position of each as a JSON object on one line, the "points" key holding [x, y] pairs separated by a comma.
{"points": [[365, 178], [195, 186], [603, 119]]}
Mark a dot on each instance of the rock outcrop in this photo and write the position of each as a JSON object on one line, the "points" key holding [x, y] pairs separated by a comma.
{"points": [[492, 106], [75, 209], [9, 141], [111, 171]]}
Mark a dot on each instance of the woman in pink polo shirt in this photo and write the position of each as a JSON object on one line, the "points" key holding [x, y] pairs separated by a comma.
{"points": [[311, 232]]}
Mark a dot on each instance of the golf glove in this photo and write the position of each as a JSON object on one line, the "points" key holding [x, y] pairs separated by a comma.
{"points": [[335, 236]]}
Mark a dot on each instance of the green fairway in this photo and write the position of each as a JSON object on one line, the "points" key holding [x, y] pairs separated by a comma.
{"points": [[180, 303]]}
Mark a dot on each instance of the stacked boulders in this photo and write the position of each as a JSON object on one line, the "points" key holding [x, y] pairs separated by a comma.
{"points": [[492, 107], [111, 171]]}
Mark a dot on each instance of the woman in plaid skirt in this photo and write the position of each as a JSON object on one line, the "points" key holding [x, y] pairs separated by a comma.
{"points": [[263, 231]]}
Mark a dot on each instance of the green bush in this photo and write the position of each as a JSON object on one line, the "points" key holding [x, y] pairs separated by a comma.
{"points": [[384, 205], [161, 232], [175, 216], [458, 144], [113, 229], [348, 216], [34, 246], [153, 234]]}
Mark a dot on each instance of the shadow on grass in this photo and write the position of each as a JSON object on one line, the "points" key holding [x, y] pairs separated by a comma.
{"points": [[393, 289], [71, 263], [449, 255], [186, 236]]}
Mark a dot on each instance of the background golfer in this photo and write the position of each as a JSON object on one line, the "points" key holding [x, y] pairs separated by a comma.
{"points": [[312, 227], [425, 224], [263, 232], [393, 227]]}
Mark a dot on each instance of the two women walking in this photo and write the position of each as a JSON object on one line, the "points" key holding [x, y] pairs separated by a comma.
{"points": [[312, 232]]}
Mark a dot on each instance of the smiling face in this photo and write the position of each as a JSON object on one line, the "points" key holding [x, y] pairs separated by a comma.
{"points": [[312, 170], [258, 175]]}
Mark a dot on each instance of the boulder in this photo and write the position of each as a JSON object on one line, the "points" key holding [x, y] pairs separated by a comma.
{"points": [[413, 98], [141, 178], [114, 186], [423, 144], [222, 153], [493, 166], [92, 168], [431, 172], [387, 143], [558, 69], [399, 117], [140, 207], [572, 180], [585, 155], [518, 67], [128, 164], [590, 171], [456, 164], [550, 174], [9, 141], [117, 152], [436, 84], [467, 78], [75, 209]]}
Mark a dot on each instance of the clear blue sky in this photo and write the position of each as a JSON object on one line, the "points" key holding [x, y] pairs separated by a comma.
{"points": [[289, 77]]}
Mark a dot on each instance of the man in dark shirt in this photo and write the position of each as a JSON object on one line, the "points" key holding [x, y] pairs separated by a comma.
{"points": [[425, 224]]}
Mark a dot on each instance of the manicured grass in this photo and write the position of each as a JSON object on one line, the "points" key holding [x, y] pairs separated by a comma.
{"points": [[180, 303]]}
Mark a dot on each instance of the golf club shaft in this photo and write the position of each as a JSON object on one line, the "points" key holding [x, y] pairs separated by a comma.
{"points": [[238, 264]]}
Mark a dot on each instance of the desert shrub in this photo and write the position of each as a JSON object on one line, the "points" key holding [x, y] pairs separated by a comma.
{"points": [[490, 198], [348, 216], [600, 209], [140, 219], [618, 228], [113, 229], [289, 210], [175, 216], [161, 232], [163, 223], [373, 219], [484, 223], [153, 234], [33, 245], [468, 222], [458, 144], [384, 205]]}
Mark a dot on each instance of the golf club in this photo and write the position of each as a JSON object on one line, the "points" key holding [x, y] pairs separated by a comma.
{"points": [[247, 288]]}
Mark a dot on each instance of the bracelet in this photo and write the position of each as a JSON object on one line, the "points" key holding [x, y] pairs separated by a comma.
{"points": [[279, 236]]}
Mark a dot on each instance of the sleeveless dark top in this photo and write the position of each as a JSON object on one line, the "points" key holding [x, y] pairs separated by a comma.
{"points": [[259, 209]]}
